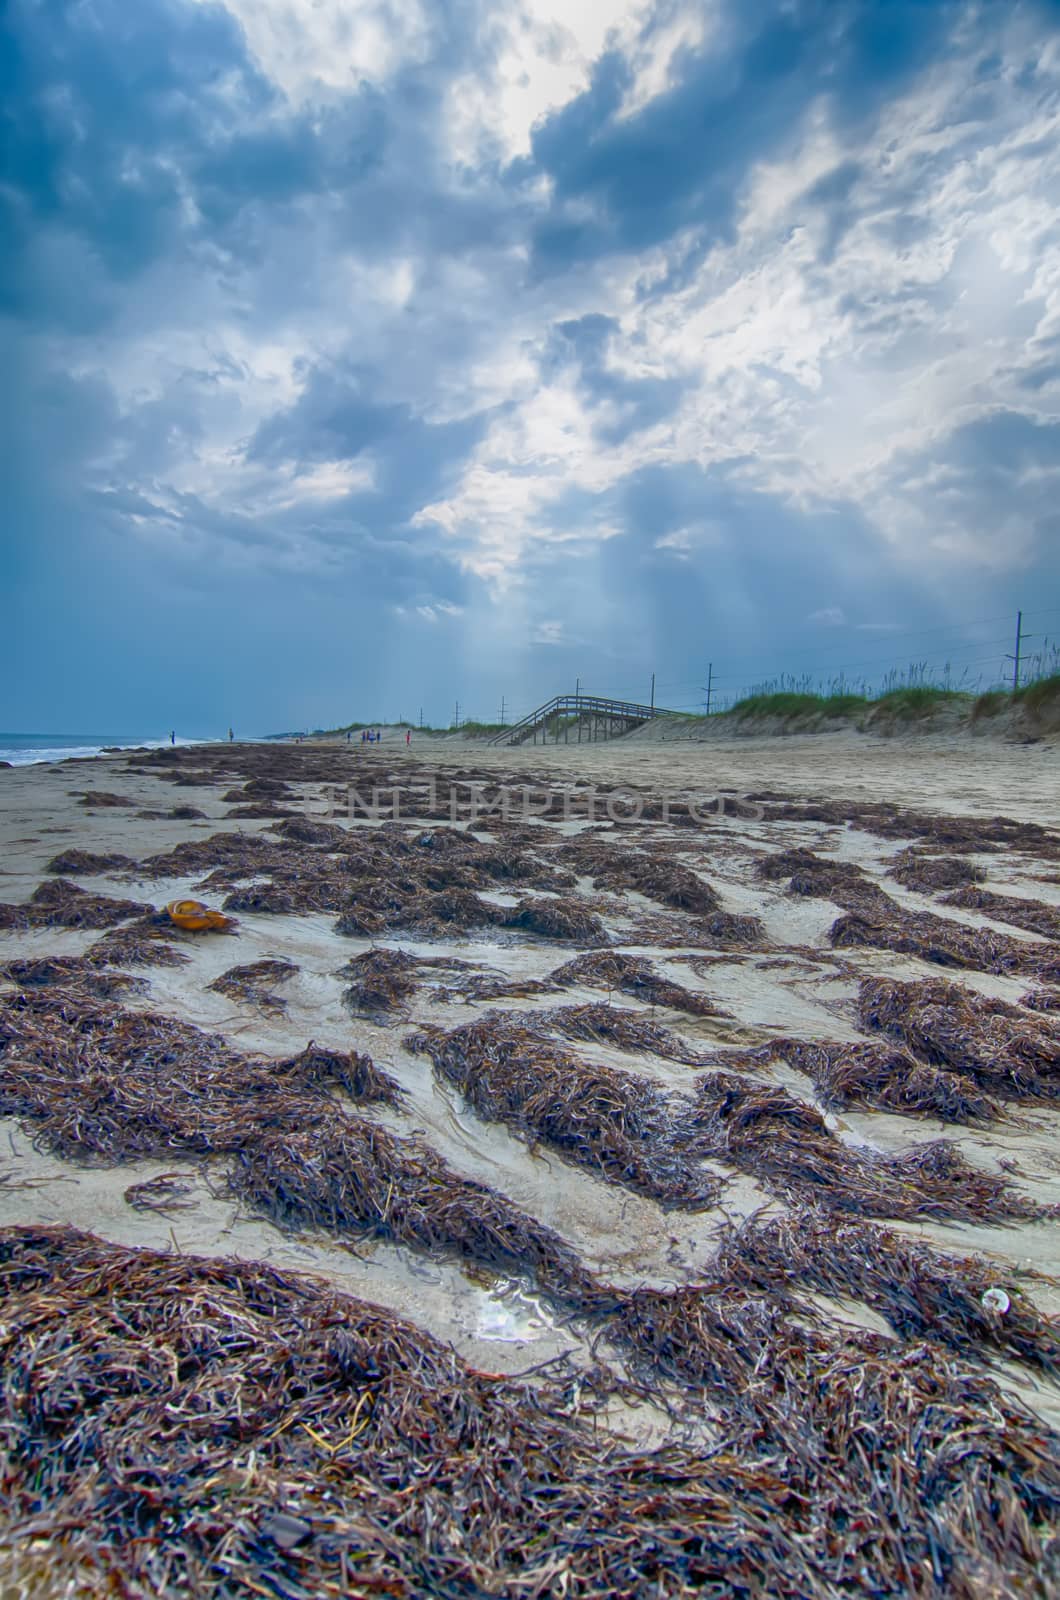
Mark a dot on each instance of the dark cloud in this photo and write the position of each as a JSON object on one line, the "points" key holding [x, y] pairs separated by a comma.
{"points": [[255, 340]]}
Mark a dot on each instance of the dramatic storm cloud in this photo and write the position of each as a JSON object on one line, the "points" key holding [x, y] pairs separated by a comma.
{"points": [[360, 359]]}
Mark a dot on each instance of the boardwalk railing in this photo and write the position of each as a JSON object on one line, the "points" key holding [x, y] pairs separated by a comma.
{"points": [[578, 718]]}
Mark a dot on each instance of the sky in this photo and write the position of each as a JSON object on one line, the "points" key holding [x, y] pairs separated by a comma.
{"points": [[360, 361]]}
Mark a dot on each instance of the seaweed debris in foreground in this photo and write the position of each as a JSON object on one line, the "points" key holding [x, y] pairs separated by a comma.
{"points": [[923, 1293], [250, 983], [614, 1123], [257, 1433], [787, 1146], [108, 1087], [883, 1079], [1009, 1053]]}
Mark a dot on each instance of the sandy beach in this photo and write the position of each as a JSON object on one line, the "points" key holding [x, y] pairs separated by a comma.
{"points": [[734, 974]]}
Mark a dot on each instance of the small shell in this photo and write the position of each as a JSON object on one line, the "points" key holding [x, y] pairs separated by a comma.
{"points": [[995, 1300]]}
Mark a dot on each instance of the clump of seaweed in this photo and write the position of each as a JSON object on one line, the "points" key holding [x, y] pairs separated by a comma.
{"points": [[385, 1476], [168, 1192], [943, 942], [929, 874], [62, 904], [99, 799], [75, 973], [349, 1070], [635, 976], [1034, 916], [555, 919], [883, 1079], [787, 1146], [922, 1293], [87, 863], [616, 1124], [107, 1086], [597, 1023], [383, 982], [1009, 1053], [252, 982]]}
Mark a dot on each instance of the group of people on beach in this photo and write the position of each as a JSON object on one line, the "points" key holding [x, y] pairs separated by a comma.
{"points": [[373, 736]]}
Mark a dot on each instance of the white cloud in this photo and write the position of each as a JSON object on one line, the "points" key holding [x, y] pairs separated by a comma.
{"points": [[829, 617], [310, 47]]}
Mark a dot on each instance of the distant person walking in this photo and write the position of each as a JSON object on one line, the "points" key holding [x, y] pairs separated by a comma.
{"points": [[408, 737], [231, 736], [173, 737]]}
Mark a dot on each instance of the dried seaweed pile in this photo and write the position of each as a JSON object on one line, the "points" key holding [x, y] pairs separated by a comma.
{"points": [[887, 1079], [616, 1124], [382, 880], [255, 1434], [786, 1146], [635, 976], [1006, 1051], [1035, 916], [383, 983], [618, 1026], [101, 800], [958, 835], [87, 863], [106, 1086], [931, 874], [943, 942], [62, 904], [922, 1294], [251, 983]]}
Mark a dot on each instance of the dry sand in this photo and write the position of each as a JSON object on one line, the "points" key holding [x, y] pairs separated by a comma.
{"points": [[625, 1237]]}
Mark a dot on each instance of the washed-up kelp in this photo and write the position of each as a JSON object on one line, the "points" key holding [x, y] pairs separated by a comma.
{"points": [[74, 973], [887, 1079], [383, 983], [787, 1146], [87, 863], [618, 1026], [107, 1087], [101, 799], [1010, 1053], [62, 904], [635, 976], [614, 1123], [351, 1178], [256, 1433], [105, 1084], [168, 1192], [895, 1451], [252, 982], [1047, 1000], [930, 874], [923, 1293], [944, 942], [938, 833], [1035, 916]]}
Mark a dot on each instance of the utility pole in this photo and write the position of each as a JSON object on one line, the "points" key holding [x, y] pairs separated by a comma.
{"points": [[1016, 657], [653, 694], [456, 717], [710, 679], [421, 717], [502, 711]]}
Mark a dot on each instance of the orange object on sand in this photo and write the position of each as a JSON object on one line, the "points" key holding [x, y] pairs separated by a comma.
{"points": [[194, 917]]}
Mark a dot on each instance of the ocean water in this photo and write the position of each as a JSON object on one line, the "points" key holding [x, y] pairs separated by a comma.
{"points": [[25, 749]]}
